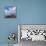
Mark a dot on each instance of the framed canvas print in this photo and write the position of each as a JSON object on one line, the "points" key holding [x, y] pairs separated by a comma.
{"points": [[10, 11], [31, 33]]}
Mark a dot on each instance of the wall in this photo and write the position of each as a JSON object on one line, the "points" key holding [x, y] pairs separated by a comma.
{"points": [[33, 12], [7, 25], [28, 12]]}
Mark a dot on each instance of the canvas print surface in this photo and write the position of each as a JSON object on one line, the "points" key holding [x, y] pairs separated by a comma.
{"points": [[10, 11]]}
